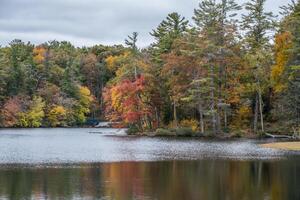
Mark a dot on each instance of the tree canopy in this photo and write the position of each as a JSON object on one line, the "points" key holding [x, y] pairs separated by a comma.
{"points": [[219, 73]]}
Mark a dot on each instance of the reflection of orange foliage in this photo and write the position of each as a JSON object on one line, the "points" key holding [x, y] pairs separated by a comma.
{"points": [[125, 180], [212, 179]]}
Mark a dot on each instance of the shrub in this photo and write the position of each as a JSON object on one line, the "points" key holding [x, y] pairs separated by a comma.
{"points": [[132, 130], [164, 132], [237, 134], [184, 132]]}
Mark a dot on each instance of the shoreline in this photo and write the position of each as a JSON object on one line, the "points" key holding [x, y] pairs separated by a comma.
{"points": [[288, 146], [222, 136]]}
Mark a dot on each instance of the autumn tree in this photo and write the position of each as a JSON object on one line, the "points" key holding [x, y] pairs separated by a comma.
{"points": [[286, 72], [126, 100], [57, 116], [178, 70], [165, 35], [11, 110], [82, 107], [33, 115], [283, 45], [216, 26], [257, 24]]}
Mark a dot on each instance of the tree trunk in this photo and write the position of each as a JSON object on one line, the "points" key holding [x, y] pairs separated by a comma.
{"points": [[219, 98], [225, 119], [255, 113], [201, 118], [157, 116], [218, 119], [261, 112], [175, 114], [135, 73], [213, 106]]}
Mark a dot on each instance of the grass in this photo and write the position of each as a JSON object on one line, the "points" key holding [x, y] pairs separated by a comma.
{"points": [[294, 146]]}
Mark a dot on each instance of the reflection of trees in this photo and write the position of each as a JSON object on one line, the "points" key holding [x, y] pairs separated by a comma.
{"points": [[156, 180]]}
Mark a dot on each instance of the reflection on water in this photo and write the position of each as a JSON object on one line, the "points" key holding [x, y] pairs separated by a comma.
{"points": [[205, 179]]}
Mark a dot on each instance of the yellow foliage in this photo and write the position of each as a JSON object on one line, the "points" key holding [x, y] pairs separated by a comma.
{"points": [[84, 91], [116, 98], [189, 123], [84, 105], [244, 112], [114, 62], [85, 98], [38, 58], [57, 115], [59, 110], [110, 62], [242, 117]]}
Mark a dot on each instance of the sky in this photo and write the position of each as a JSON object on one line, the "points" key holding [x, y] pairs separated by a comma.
{"points": [[90, 22]]}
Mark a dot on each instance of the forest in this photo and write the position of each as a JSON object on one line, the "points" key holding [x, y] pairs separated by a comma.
{"points": [[221, 72]]}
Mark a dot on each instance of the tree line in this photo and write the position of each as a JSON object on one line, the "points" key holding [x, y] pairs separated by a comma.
{"points": [[219, 73]]}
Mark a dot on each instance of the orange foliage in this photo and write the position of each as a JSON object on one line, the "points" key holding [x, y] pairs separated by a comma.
{"points": [[283, 43], [39, 54], [179, 70]]}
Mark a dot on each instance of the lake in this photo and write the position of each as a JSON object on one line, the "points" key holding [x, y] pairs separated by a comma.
{"points": [[106, 164]]}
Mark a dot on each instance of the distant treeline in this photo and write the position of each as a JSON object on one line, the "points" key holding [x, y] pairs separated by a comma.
{"points": [[224, 73]]}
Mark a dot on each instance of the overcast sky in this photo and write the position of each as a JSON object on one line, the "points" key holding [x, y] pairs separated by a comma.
{"points": [[89, 22]]}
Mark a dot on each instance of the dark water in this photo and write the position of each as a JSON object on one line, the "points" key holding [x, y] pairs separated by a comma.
{"points": [[82, 164]]}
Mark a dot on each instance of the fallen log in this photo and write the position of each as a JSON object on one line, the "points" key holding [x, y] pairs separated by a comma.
{"points": [[280, 136]]}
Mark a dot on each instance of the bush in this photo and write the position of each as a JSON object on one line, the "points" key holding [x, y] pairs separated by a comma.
{"points": [[132, 130], [239, 133], [164, 132], [184, 132]]}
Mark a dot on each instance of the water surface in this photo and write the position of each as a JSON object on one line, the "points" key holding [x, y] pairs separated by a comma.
{"points": [[106, 164]]}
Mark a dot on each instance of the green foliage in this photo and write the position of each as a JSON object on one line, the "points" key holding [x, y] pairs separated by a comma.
{"points": [[168, 31], [33, 117], [131, 42], [184, 132], [164, 132], [257, 23], [132, 130], [206, 77]]}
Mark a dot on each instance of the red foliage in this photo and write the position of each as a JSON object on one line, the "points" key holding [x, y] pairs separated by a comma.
{"points": [[124, 101], [11, 109]]}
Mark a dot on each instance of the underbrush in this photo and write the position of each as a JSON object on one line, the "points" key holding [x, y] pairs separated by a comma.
{"points": [[180, 132]]}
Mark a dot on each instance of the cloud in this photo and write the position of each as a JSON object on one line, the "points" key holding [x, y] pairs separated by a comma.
{"points": [[89, 22]]}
